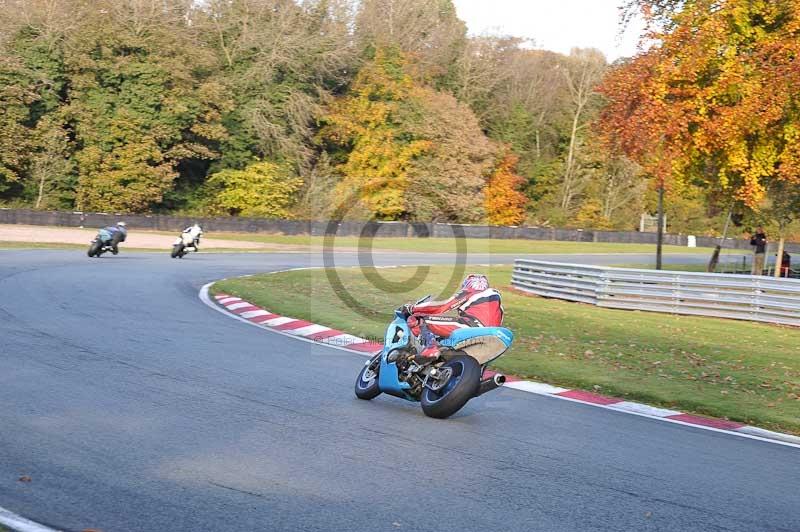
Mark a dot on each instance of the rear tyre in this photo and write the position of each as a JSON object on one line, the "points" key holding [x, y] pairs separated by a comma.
{"points": [[450, 397], [177, 251], [367, 382]]}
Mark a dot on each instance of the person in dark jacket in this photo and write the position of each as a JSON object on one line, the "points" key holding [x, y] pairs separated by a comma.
{"points": [[786, 264], [759, 240]]}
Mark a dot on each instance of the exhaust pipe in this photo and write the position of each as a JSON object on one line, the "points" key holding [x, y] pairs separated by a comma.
{"points": [[492, 383]]}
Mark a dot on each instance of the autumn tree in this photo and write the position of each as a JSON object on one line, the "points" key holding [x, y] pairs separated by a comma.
{"points": [[427, 30], [715, 99], [505, 204], [366, 127], [262, 189], [408, 151]]}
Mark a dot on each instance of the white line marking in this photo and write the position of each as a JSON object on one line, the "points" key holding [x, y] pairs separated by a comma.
{"points": [[309, 330], [274, 322], [226, 300], [20, 524], [235, 306], [535, 387], [755, 431], [628, 406], [254, 314]]}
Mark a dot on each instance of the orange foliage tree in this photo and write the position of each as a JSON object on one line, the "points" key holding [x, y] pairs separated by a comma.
{"points": [[716, 98], [504, 203]]}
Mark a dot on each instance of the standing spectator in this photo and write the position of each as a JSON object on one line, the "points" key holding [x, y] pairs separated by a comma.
{"points": [[759, 240]]}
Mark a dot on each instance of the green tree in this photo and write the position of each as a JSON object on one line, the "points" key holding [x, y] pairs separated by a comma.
{"points": [[262, 189], [140, 104]]}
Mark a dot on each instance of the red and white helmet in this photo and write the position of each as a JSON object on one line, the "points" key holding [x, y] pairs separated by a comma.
{"points": [[476, 282]]}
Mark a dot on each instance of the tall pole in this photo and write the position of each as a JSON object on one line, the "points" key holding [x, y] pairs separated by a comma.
{"points": [[712, 264], [660, 241]]}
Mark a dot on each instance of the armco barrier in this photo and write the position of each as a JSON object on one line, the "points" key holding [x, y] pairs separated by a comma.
{"points": [[743, 297], [350, 228]]}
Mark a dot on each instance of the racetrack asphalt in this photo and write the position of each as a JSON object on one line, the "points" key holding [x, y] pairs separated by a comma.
{"points": [[134, 407]]}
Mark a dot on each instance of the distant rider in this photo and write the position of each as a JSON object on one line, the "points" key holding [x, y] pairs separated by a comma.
{"points": [[195, 232], [118, 233], [475, 305]]}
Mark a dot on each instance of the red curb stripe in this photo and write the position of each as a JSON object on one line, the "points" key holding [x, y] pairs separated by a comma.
{"points": [[292, 325], [707, 421], [265, 317], [261, 319], [589, 397], [324, 334], [244, 309]]}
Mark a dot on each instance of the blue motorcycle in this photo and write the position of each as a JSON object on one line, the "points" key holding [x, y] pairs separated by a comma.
{"points": [[102, 243], [444, 386]]}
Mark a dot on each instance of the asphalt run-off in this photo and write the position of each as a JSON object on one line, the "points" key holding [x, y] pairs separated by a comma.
{"points": [[128, 405]]}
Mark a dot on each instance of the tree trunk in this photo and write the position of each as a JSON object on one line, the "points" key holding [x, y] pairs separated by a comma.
{"points": [[41, 192], [779, 256], [567, 196], [660, 233]]}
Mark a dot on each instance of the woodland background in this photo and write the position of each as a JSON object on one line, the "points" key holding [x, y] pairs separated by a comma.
{"points": [[388, 109]]}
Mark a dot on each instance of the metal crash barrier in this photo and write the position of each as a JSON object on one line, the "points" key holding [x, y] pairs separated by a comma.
{"points": [[743, 297]]}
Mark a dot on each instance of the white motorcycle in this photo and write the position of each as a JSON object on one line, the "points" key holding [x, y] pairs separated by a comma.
{"points": [[186, 243]]}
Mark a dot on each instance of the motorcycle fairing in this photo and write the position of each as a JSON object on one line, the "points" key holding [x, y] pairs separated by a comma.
{"points": [[484, 344], [398, 336]]}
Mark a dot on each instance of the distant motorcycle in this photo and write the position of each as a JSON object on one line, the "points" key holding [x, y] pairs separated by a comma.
{"points": [[187, 242], [102, 243], [443, 387]]}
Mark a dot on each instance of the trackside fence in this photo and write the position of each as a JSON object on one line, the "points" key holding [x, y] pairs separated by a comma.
{"points": [[742, 297]]}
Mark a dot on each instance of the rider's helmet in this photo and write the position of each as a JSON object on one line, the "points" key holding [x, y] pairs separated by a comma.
{"points": [[476, 282], [121, 224]]}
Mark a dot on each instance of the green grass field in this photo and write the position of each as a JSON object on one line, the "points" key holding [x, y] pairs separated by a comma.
{"points": [[733, 369], [449, 245]]}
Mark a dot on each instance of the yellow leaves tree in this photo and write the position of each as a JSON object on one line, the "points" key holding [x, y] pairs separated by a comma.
{"points": [[504, 203], [368, 123], [407, 151], [716, 98], [263, 189]]}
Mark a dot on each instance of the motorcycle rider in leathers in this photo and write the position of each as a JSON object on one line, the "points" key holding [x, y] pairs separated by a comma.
{"points": [[118, 234], [194, 232], [475, 305]]}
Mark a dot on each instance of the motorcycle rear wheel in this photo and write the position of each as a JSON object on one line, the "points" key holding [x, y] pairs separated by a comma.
{"points": [[462, 386], [367, 382]]}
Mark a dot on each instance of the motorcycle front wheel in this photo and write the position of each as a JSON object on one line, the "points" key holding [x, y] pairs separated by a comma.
{"points": [[462, 378], [94, 249], [367, 382], [177, 251]]}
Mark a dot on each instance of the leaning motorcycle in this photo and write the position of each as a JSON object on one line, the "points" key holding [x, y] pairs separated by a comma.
{"points": [[443, 387], [183, 244], [102, 243]]}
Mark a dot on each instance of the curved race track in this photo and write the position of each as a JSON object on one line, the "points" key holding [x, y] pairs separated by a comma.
{"points": [[134, 407]]}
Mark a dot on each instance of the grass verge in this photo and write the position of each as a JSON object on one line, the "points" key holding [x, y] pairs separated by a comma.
{"points": [[448, 245], [742, 371]]}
